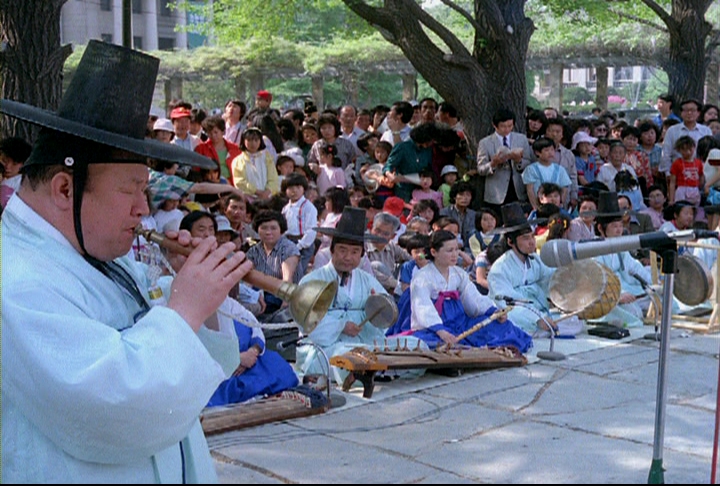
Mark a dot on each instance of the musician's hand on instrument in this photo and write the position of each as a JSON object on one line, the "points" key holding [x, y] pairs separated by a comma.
{"points": [[351, 329], [206, 279], [626, 298], [249, 358], [543, 324], [239, 370], [391, 177], [447, 337]]}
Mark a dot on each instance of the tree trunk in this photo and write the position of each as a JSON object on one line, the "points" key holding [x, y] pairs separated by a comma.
{"points": [[689, 57], [601, 87], [31, 62], [477, 83]]}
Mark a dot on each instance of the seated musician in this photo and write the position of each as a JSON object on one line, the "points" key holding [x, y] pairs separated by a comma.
{"points": [[519, 274], [258, 371], [339, 331], [632, 274], [445, 303]]}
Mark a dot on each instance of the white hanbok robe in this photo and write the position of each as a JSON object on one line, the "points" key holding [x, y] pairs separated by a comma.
{"points": [[89, 395], [348, 305], [426, 285], [527, 280], [625, 266]]}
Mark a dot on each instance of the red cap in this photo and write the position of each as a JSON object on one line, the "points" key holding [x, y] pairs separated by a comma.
{"points": [[394, 205], [180, 113], [263, 94]]}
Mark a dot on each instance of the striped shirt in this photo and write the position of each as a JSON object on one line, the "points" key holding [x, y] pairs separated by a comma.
{"points": [[271, 264]]}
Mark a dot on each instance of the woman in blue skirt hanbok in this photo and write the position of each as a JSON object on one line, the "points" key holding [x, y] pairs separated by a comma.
{"points": [[444, 303]]}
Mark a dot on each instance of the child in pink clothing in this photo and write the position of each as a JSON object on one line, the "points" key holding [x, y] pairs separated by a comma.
{"points": [[425, 191], [329, 172]]}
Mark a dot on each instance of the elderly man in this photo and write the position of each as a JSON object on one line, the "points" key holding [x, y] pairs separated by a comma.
{"points": [[98, 385], [384, 257], [348, 129], [339, 331]]}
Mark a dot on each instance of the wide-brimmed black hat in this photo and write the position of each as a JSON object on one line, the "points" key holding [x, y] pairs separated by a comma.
{"points": [[351, 226], [608, 208], [514, 219], [107, 103]]}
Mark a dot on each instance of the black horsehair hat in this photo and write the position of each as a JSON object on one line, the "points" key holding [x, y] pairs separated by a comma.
{"points": [[514, 219], [351, 227], [106, 105], [608, 208]]}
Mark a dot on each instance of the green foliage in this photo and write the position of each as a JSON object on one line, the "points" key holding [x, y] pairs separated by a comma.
{"points": [[233, 21], [578, 94], [564, 23]]}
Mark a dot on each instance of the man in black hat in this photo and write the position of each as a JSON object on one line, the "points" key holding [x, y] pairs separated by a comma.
{"points": [[519, 274], [339, 331], [633, 275], [97, 385]]}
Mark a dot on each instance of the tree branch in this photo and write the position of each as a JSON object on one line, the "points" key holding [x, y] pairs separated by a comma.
{"points": [[463, 12], [378, 17], [713, 41], [639, 20], [662, 13], [450, 39]]}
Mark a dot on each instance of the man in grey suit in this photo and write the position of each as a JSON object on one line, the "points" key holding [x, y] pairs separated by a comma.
{"points": [[501, 159]]}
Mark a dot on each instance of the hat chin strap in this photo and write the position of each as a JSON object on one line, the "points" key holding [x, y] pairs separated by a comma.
{"points": [[80, 175]]}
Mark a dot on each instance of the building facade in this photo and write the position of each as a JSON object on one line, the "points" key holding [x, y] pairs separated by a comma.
{"points": [[153, 23]]}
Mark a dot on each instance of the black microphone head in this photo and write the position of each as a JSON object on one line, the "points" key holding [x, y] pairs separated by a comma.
{"points": [[557, 253]]}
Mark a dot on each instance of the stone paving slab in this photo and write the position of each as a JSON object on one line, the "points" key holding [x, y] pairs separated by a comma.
{"points": [[588, 419]]}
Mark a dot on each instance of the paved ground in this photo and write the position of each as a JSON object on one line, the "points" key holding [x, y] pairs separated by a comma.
{"points": [[588, 419]]}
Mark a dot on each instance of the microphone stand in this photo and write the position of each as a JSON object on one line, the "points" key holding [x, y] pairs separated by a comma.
{"points": [[551, 354], [335, 401], [669, 255]]}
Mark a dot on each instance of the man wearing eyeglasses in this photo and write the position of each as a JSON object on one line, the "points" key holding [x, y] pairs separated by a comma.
{"points": [[690, 111]]}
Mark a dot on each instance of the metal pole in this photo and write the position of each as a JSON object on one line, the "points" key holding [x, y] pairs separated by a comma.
{"points": [[127, 24], [657, 472]]}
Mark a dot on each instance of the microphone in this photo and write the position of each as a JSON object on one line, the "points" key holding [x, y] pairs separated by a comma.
{"points": [[558, 253], [283, 345], [511, 300]]}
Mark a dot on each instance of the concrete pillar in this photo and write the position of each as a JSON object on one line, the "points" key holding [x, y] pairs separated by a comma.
{"points": [[173, 90], [556, 86], [318, 86], [601, 93], [181, 41], [117, 22], [257, 83], [241, 88], [151, 31], [409, 83]]}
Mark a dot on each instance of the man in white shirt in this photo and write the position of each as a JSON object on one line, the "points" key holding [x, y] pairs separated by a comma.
{"points": [[398, 121], [690, 111], [348, 129]]}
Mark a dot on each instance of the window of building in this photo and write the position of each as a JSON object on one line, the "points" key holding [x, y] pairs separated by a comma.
{"points": [[106, 38], [166, 43], [106, 5], [137, 42], [137, 6], [165, 8]]}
